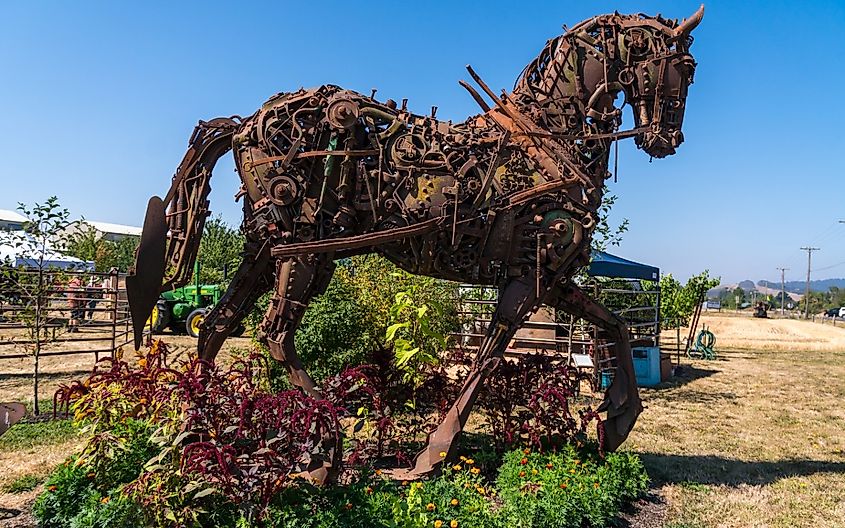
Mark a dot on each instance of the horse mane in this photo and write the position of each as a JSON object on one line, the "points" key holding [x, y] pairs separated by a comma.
{"points": [[534, 71]]}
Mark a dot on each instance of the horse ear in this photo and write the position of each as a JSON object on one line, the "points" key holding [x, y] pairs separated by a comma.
{"points": [[686, 27]]}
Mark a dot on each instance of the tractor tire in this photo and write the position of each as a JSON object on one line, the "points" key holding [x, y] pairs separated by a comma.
{"points": [[194, 322], [239, 331], [159, 317]]}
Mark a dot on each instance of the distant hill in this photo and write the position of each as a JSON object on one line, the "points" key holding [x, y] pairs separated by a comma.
{"points": [[822, 285]]}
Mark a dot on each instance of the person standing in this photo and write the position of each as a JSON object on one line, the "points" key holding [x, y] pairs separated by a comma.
{"points": [[75, 302]]}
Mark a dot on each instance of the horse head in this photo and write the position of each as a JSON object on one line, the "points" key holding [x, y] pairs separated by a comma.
{"points": [[655, 72], [571, 88]]}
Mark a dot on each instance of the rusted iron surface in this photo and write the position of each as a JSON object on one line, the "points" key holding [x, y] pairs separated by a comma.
{"points": [[508, 197]]}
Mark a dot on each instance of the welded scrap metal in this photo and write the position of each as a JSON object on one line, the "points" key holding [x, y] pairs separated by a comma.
{"points": [[508, 197], [10, 414]]}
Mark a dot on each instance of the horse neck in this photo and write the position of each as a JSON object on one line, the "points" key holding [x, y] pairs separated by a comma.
{"points": [[554, 91]]}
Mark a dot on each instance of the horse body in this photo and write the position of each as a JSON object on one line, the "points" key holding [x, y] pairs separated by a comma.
{"points": [[508, 197]]}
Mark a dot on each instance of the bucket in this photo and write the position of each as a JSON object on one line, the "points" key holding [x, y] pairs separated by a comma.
{"points": [[606, 378]]}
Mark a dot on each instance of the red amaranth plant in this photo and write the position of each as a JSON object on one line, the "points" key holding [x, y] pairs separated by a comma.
{"points": [[528, 402]]}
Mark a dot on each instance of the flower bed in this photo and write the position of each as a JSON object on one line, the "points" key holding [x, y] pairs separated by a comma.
{"points": [[197, 445]]}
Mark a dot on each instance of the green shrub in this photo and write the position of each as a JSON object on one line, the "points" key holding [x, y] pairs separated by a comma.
{"points": [[568, 488], [108, 511], [67, 489], [458, 497]]}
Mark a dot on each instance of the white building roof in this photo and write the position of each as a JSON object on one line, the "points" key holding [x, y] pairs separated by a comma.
{"points": [[11, 216], [118, 229]]}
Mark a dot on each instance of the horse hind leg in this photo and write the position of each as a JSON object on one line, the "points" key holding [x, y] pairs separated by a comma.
{"points": [[518, 299], [252, 279], [298, 279], [622, 400]]}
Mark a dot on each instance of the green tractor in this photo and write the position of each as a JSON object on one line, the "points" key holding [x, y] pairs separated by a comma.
{"points": [[184, 309]]}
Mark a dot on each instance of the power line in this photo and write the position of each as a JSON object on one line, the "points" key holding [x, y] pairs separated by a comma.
{"points": [[809, 251]]}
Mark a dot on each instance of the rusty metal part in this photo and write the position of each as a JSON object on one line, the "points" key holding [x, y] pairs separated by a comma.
{"points": [[142, 289], [10, 414], [508, 197]]}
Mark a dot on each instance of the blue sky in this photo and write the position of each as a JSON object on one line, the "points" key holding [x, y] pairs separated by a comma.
{"points": [[99, 99]]}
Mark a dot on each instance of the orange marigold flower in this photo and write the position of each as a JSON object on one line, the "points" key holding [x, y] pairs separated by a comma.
{"points": [[142, 362], [453, 523], [526, 451], [470, 461], [454, 502], [404, 482], [562, 485], [348, 505], [378, 472], [456, 467], [475, 471], [443, 454], [104, 500], [522, 473], [572, 471], [577, 462], [463, 458], [51, 488], [523, 461], [438, 523], [369, 490], [596, 485], [549, 465], [430, 506]]}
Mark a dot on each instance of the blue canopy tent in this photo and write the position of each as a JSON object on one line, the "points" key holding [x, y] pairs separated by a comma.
{"points": [[607, 265]]}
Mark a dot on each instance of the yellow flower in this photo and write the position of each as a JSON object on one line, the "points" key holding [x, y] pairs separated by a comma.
{"points": [[596, 485], [429, 506], [475, 471], [522, 473], [142, 362], [378, 472], [480, 490], [453, 524], [443, 454], [438, 523], [463, 458], [533, 471], [454, 502], [104, 500], [456, 467], [526, 451], [51, 488], [470, 461]]}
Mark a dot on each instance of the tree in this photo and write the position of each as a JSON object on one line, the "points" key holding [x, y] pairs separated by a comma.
{"points": [[605, 235], [41, 239], [220, 251], [89, 245], [677, 303]]}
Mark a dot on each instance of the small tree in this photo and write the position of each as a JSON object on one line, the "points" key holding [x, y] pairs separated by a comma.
{"points": [[41, 238], [677, 303], [89, 245]]}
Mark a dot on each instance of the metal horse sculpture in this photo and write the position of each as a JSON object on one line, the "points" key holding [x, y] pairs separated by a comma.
{"points": [[509, 197]]}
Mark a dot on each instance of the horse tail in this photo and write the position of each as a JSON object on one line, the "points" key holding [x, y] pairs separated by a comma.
{"points": [[173, 226]]}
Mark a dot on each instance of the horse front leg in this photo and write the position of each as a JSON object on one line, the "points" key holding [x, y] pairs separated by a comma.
{"points": [[621, 400], [253, 278], [517, 300], [298, 280]]}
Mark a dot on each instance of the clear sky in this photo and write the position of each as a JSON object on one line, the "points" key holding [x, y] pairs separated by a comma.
{"points": [[99, 98]]}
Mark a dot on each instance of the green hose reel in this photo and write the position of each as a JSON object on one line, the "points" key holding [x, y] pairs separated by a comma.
{"points": [[703, 348]]}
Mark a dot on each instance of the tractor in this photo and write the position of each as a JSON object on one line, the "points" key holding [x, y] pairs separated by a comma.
{"points": [[183, 309]]}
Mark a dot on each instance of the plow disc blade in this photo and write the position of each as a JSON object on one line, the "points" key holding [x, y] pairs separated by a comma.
{"points": [[143, 284]]}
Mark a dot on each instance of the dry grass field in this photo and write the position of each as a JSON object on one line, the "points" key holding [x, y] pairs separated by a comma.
{"points": [[753, 439]]}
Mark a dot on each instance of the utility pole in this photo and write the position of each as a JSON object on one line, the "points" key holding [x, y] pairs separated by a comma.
{"points": [[782, 289], [809, 251]]}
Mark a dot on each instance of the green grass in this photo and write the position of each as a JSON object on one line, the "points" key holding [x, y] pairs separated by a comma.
{"points": [[28, 435], [23, 484]]}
